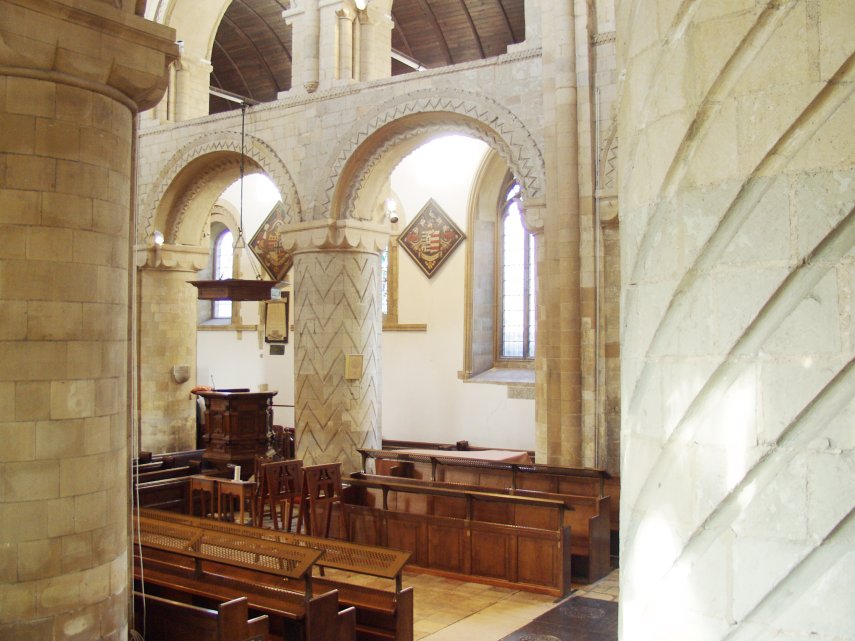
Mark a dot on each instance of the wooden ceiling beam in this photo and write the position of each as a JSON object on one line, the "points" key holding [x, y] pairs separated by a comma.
{"points": [[473, 28], [246, 40], [508, 24], [248, 91], [440, 37], [270, 29]]}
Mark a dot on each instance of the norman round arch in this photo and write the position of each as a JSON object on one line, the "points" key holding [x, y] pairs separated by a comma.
{"points": [[204, 166], [408, 120]]}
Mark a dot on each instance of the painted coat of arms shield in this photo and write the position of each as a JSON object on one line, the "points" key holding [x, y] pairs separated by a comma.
{"points": [[430, 238]]}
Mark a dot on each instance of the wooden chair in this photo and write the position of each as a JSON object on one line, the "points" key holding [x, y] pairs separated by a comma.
{"points": [[321, 491], [283, 487]]}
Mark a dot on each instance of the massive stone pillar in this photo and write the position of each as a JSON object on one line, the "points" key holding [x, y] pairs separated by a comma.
{"points": [[738, 249], [73, 73], [167, 319], [558, 409], [338, 321]]}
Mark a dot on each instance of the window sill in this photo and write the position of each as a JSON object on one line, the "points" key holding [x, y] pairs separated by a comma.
{"points": [[214, 326], [518, 377], [404, 327]]}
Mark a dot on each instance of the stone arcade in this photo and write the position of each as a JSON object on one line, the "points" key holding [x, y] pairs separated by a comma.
{"points": [[688, 172]]}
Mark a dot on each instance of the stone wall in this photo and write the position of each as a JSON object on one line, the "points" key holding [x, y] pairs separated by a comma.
{"points": [[737, 163]]}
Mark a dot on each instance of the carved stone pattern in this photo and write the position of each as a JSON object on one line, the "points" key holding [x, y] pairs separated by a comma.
{"points": [[337, 313], [512, 139], [254, 148], [365, 170], [176, 219], [607, 179]]}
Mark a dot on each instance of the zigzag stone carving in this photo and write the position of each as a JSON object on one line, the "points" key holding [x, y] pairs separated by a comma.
{"points": [[337, 313], [254, 148], [480, 116]]}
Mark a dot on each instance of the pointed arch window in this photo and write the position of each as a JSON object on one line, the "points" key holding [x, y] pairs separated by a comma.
{"points": [[516, 258]]}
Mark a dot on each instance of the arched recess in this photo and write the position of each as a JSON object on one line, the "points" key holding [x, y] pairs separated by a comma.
{"points": [[359, 169], [195, 23], [183, 194]]}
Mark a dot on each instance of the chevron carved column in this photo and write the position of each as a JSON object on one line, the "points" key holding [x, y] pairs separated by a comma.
{"points": [[337, 315]]}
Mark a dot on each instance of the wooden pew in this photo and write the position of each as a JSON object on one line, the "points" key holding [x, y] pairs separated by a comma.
{"points": [[380, 614], [166, 494], [164, 473], [452, 532], [175, 559], [162, 619], [586, 516], [549, 480]]}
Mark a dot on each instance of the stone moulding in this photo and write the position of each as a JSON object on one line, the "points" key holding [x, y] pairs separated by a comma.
{"points": [[172, 258], [331, 235], [477, 114], [218, 141]]}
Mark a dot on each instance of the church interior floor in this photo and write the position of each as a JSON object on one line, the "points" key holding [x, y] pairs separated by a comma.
{"points": [[449, 610]]}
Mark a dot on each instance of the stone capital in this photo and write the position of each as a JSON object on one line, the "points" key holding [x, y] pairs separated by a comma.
{"points": [[534, 215], [335, 235], [345, 13], [176, 258], [110, 51]]}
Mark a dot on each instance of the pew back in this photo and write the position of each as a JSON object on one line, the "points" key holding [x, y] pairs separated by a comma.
{"points": [[169, 620]]}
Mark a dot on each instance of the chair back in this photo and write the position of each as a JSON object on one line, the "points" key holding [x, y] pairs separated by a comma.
{"points": [[283, 486], [321, 489]]}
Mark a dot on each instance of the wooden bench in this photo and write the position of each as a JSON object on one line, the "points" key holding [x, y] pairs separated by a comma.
{"points": [[548, 479], [380, 614], [160, 619], [167, 494], [586, 516], [178, 560], [164, 473], [452, 532]]}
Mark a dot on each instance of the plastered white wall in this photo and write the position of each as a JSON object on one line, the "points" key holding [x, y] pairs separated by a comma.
{"points": [[423, 398]]}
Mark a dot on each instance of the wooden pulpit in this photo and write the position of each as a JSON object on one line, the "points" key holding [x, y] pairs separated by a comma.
{"points": [[236, 428]]}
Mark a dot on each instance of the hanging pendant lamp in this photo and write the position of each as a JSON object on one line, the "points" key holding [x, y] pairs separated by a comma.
{"points": [[236, 289]]}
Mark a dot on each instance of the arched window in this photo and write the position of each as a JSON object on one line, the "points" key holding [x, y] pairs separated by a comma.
{"points": [[223, 264], [516, 335]]}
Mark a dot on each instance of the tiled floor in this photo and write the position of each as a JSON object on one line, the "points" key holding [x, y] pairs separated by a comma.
{"points": [[447, 610]]}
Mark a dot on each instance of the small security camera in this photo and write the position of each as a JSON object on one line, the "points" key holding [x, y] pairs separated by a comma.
{"points": [[393, 217]]}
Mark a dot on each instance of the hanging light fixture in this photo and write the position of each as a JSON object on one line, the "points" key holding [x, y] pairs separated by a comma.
{"points": [[236, 289]]}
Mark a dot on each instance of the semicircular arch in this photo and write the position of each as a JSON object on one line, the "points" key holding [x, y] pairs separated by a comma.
{"points": [[394, 127], [197, 174]]}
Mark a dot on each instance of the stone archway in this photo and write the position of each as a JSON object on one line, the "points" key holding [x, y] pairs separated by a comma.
{"points": [[178, 206], [424, 113], [337, 266]]}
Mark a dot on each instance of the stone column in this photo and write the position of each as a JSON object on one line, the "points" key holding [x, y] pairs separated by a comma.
{"points": [[337, 317], [558, 415], [345, 17], [73, 73], [167, 317], [737, 228], [191, 91], [305, 37], [375, 41]]}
